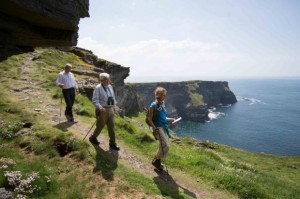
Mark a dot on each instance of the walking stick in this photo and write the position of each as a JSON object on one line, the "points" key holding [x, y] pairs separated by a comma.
{"points": [[90, 129], [60, 107]]}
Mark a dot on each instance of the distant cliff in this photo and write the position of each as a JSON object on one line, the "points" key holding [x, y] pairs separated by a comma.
{"points": [[190, 99]]}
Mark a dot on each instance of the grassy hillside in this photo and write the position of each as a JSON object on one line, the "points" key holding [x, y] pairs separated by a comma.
{"points": [[52, 160]]}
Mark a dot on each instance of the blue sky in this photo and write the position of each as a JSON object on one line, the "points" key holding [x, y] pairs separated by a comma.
{"points": [[171, 40]]}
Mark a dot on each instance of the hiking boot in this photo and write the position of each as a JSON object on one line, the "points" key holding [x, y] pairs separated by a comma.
{"points": [[94, 140], [157, 164], [114, 146]]}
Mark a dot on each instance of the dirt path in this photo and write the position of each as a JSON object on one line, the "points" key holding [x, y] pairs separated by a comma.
{"points": [[39, 101]]}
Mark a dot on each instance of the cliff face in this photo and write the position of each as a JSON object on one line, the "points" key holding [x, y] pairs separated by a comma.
{"points": [[25, 24]]}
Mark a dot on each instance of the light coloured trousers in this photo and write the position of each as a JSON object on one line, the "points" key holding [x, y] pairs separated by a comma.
{"points": [[164, 145], [106, 118]]}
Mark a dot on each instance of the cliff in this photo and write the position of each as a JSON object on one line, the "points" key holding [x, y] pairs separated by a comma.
{"points": [[190, 99], [25, 24]]}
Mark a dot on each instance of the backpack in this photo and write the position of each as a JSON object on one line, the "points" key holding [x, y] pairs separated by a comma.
{"points": [[148, 114], [147, 119]]}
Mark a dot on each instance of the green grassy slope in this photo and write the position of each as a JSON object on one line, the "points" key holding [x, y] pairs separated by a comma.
{"points": [[60, 163]]}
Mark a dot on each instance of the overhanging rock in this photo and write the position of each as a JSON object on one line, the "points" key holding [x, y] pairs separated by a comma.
{"points": [[25, 24]]}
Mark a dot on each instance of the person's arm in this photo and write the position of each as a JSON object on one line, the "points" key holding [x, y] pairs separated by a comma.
{"points": [[96, 98], [75, 82], [113, 94], [150, 117], [59, 81], [170, 119]]}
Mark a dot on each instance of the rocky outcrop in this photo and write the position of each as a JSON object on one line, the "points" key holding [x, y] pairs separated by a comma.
{"points": [[124, 93], [117, 72], [25, 24]]}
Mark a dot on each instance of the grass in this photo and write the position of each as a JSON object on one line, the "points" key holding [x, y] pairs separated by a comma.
{"points": [[244, 174], [196, 98], [216, 165]]}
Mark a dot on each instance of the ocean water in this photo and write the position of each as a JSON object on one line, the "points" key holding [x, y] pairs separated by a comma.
{"points": [[266, 118]]}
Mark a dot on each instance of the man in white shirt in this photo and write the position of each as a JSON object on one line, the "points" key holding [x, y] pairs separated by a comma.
{"points": [[67, 82], [104, 101]]}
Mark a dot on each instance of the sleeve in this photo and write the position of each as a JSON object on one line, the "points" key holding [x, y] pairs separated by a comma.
{"points": [[59, 80], [113, 94], [152, 105], [96, 97], [75, 82]]}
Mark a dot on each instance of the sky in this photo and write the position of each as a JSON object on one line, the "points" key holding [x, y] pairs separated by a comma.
{"points": [[176, 40]]}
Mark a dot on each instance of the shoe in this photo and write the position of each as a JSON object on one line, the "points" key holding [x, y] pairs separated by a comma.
{"points": [[157, 164], [114, 146], [94, 140]]}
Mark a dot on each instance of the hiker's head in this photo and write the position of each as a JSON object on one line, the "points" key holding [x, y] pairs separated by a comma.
{"points": [[160, 93], [68, 68], [104, 78]]}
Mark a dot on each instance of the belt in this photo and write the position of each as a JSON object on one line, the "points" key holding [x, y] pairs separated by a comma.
{"points": [[108, 106], [68, 88]]}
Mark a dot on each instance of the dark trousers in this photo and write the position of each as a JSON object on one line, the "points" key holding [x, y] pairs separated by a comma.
{"points": [[69, 95]]}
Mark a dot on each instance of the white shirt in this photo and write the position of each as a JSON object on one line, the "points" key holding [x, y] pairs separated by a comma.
{"points": [[100, 96], [67, 79]]}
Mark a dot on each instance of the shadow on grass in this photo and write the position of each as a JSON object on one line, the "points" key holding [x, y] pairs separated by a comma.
{"points": [[168, 186], [64, 125], [106, 162]]}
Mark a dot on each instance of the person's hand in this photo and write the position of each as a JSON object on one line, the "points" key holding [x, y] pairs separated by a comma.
{"points": [[171, 119], [116, 112], [61, 85], [77, 90], [102, 110], [155, 131]]}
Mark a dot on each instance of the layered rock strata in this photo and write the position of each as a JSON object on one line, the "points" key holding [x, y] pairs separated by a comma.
{"points": [[25, 24]]}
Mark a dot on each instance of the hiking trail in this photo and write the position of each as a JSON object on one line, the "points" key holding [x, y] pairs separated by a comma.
{"points": [[40, 101]]}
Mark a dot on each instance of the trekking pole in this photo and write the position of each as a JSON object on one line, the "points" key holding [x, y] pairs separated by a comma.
{"points": [[163, 152], [60, 107], [90, 129]]}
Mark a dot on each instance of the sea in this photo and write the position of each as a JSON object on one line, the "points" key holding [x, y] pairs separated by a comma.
{"points": [[266, 118]]}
